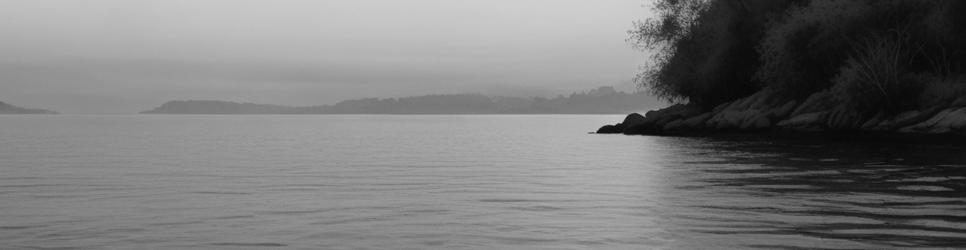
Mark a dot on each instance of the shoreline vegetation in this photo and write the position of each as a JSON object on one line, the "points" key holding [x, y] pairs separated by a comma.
{"points": [[603, 100], [10, 109], [879, 67]]}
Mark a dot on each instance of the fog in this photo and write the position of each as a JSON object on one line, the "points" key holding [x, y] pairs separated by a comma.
{"points": [[124, 56]]}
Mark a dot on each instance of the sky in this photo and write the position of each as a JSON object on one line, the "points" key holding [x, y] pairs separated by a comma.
{"points": [[125, 56]]}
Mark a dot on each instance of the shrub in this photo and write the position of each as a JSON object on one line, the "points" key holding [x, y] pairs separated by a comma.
{"points": [[875, 76], [803, 50], [938, 92], [812, 45]]}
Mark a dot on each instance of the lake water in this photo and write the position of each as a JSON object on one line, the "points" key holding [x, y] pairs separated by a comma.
{"points": [[459, 182]]}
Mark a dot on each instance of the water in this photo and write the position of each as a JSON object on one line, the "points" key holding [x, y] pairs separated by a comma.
{"points": [[459, 182]]}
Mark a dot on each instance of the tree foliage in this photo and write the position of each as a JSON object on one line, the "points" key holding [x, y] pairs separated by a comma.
{"points": [[699, 45], [876, 54]]}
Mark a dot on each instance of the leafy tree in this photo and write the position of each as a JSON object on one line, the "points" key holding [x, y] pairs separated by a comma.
{"points": [[876, 55], [704, 51]]}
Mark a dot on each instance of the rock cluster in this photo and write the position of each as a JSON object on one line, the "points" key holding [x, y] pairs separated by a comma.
{"points": [[763, 111]]}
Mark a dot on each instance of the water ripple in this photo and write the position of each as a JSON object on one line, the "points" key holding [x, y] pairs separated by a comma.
{"points": [[461, 182]]}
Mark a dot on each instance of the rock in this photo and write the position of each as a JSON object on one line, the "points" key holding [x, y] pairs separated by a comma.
{"points": [[721, 107], [906, 119], [675, 125], [641, 129], [678, 111], [764, 110], [609, 129], [762, 100], [633, 119], [814, 121], [873, 122], [743, 103], [784, 110], [731, 119], [654, 121], [758, 100], [821, 101], [688, 124], [843, 119], [697, 122], [756, 123], [901, 120], [755, 112], [949, 120]]}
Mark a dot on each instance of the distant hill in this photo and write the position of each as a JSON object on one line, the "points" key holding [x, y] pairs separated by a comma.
{"points": [[603, 100], [6, 108], [218, 107]]}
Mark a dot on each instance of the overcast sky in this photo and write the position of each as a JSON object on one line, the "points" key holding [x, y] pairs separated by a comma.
{"points": [[125, 56]]}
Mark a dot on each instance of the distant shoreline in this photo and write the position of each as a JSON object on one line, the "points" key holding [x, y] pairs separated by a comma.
{"points": [[603, 100], [364, 114], [10, 109]]}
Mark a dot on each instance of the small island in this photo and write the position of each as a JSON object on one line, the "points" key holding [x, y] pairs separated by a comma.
{"points": [[7, 109], [896, 67], [603, 100]]}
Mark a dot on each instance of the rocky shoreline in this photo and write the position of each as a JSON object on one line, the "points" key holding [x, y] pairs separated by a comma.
{"points": [[765, 112]]}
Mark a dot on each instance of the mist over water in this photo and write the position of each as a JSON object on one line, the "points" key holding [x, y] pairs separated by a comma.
{"points": [[122, 56], [463, 182]]}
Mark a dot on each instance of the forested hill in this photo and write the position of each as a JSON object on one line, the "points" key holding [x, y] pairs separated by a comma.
{"points": [[6, 108], [603, 100]]}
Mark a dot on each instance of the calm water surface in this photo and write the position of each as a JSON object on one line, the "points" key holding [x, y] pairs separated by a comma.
{"points": [[459, 182]]}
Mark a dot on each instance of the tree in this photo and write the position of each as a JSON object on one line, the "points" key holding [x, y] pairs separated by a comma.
{"points": [[704, 51]]}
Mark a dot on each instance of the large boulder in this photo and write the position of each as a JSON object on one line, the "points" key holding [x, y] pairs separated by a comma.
{"points": [[872, 123], [756, 112], [784, 110], [843, 119], [898, 121], [814, 121], [655, 120], [821, 101], [632, 119], [731, 119], [691, 124], [609, 129], [949, 120], [757, 122], [902, 120]]}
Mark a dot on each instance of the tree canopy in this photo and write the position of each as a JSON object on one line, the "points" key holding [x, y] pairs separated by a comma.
{"points": [[876, 54]]}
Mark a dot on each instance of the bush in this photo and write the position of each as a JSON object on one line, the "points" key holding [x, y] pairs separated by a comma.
{"points": [[803, 50], [940, 92], [819, 44], [875, 76]]}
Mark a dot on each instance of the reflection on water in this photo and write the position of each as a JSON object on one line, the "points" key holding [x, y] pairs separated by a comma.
{"points": [[460, 182], [823, 194]]}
